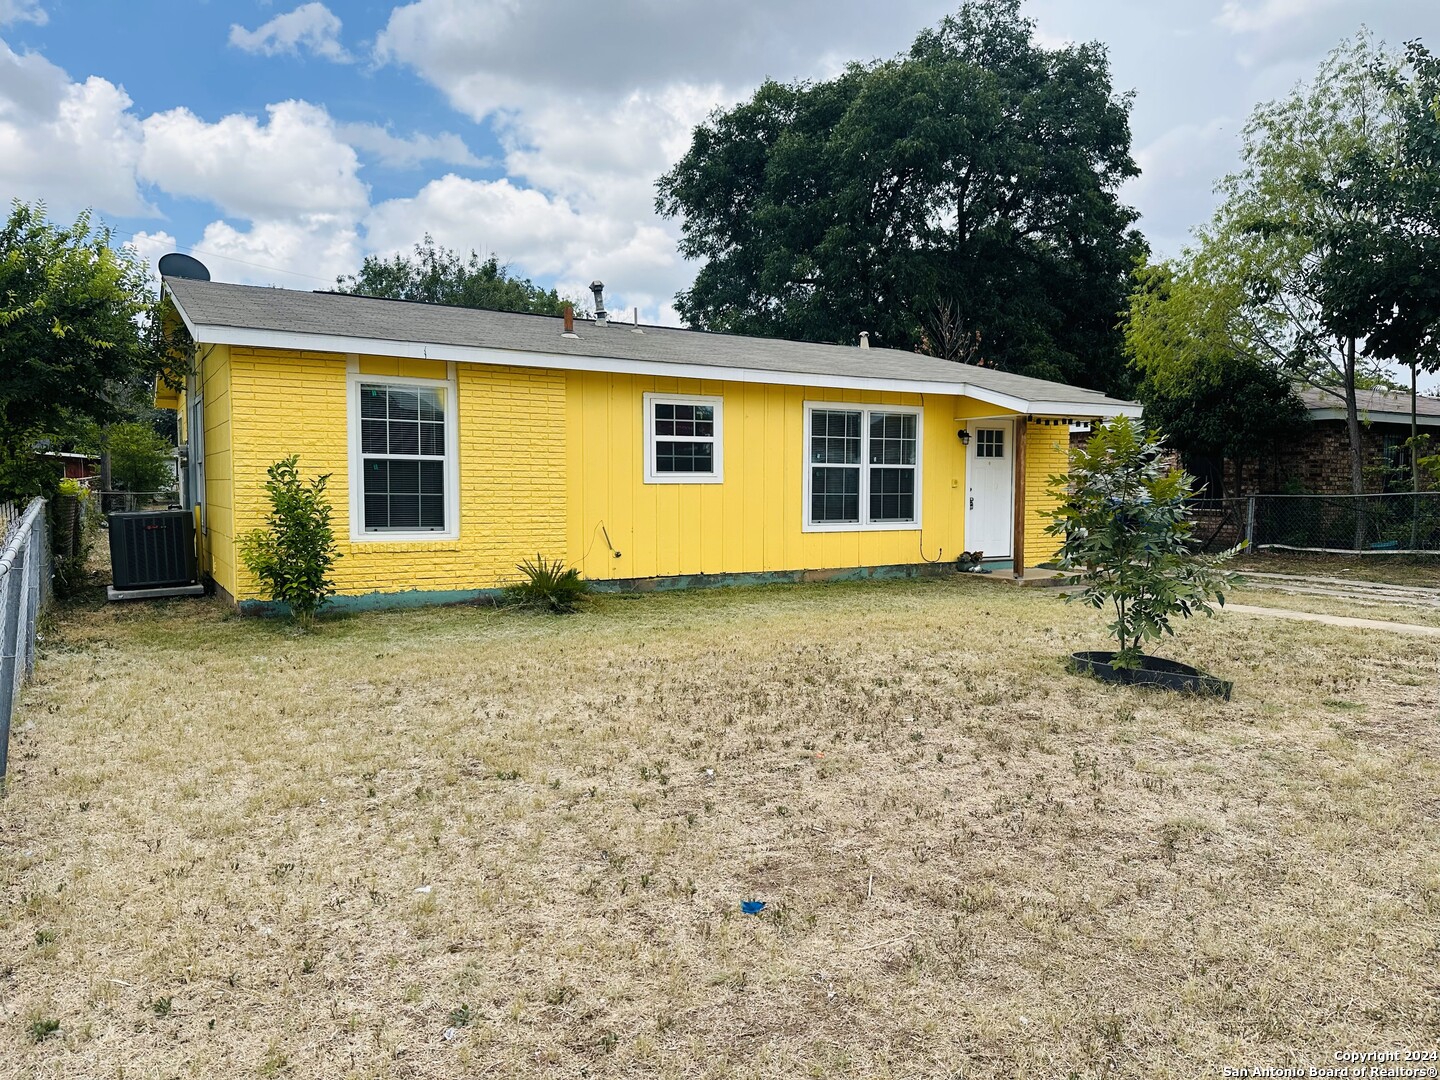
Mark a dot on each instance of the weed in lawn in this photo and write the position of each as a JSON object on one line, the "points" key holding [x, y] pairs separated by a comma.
{"points": [[43, 1027]]}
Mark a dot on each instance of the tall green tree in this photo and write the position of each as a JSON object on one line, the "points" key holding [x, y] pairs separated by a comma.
{"points": [[1209, 398], [440, 275], [1263, 259], [959, 199], [75, 337], [1379, 271]]}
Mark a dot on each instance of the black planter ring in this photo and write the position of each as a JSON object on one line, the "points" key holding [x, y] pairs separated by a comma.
{"points": [[1153, 671]]}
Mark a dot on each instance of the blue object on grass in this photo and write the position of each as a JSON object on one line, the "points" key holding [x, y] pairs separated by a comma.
{"points": [[752, 907]]}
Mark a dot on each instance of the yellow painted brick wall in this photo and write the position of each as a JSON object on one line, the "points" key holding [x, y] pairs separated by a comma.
{"points": [[512, 452], [1047, 450]]}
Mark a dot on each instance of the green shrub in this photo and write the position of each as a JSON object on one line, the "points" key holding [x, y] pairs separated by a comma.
{"points": [[548, 585], [1126, 530], [293, 557], [140, 460]]}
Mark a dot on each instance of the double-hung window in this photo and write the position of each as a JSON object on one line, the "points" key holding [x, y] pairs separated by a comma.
{"points": [[862, 467], [403, 454], [683, 439]]}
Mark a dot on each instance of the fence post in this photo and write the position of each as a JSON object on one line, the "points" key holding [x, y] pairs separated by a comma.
{"points": [[1250, 523], [12, 596], [32, 596]]}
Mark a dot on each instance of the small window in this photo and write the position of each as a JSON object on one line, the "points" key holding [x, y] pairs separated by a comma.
{"points": [[990, 443], [861, 468], [404, 467], [682, 439]]}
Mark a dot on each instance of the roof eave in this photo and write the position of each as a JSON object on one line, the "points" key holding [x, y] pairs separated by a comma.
{"points": [[211, 334], [1384, 416]]}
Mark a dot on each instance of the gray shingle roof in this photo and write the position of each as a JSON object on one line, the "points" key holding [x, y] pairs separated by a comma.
{"points": [[1372, 402], [208, 304]]}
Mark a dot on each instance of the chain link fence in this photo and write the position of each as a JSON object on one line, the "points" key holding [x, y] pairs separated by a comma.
{"points": [[25, 566], [1401, 523]]}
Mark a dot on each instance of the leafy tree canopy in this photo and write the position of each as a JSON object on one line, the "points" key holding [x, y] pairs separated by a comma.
{"points": [[959, 199], [76, 336], [440, 275], [1379, 270], [1209, 398], [1253, 288], [140, 459], [1123, 519]]}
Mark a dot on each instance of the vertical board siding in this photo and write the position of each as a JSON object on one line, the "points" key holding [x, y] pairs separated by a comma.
{"points": [[754, 520], [513, 463]]}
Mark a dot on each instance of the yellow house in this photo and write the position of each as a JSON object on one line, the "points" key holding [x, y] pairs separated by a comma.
{"points": [[460, 442]]}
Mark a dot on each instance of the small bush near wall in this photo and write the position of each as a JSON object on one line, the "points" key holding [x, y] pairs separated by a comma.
{"points": [[548, 585], [293, 557]]}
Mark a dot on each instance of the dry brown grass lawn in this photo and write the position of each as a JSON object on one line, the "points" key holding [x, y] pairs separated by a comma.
{"points": [[467, 842]]}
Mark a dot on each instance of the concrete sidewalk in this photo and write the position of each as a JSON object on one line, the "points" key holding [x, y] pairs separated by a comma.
{"points": [[1336, 620]]}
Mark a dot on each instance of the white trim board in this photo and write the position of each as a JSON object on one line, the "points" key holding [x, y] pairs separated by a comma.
{"points": [[863, 467], [717, 440], [1370, 416], [476, 354], [353, 381]]}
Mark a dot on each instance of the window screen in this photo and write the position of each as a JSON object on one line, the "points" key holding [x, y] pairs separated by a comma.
{"points": [[402, 452], [863, 466], [684, 439]]}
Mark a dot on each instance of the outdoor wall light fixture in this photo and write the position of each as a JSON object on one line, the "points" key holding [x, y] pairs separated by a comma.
{"points": [[964, 436]]}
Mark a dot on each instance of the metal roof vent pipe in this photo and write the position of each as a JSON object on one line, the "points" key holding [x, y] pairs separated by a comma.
{"points": [[601, 317], [864, 339]]}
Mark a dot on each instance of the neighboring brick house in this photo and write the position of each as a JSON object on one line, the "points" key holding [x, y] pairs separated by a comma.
{"points": [[1318, 462]]}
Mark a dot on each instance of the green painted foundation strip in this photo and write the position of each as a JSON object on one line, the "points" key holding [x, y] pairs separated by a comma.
{"points": [[413, 598]]}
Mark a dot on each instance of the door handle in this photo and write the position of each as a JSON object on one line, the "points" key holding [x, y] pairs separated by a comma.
{"points": [[972, 502]]}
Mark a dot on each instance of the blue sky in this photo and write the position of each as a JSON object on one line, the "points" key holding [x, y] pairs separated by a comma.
{"points": [[281, 142]]}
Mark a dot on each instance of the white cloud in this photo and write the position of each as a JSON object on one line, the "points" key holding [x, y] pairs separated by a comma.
{"points": [[406, 153], [300, 253], [150, 247], [577, 203], [1241, 18], [499, 54], [75, 145], [1178, 172], [292, 166], [20, 11], [538, 235], [313, 26]]}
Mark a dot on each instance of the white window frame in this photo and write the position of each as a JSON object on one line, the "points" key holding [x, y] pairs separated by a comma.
{"points": [[353, 381], [718, 439], [864, 524]]}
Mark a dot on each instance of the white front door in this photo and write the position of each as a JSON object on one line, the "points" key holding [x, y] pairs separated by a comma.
{"points": [[990, 479]]}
